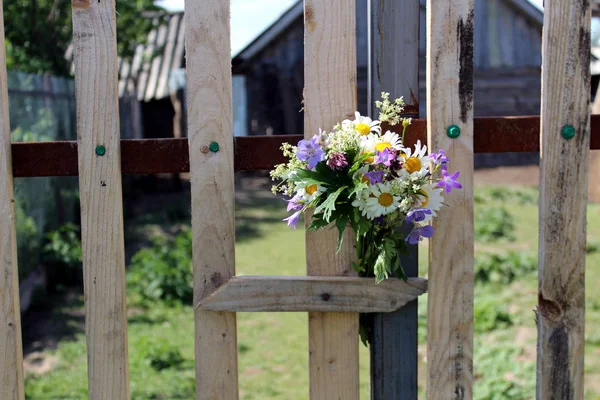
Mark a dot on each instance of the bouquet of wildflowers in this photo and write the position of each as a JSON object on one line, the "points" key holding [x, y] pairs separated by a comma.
{"points": [[360, 177]]}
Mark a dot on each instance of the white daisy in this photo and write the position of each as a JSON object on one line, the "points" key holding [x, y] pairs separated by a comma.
{"points": [[389, 140], [381, 201], [363, 125], [430, 197], [310, 192], [417, 160]]}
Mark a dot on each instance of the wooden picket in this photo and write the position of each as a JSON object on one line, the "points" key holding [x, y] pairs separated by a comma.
{"points": [[564, 164], [332, 295], [329, 96], [11, 349], [99, 153], [210, 133], [451, 253]]}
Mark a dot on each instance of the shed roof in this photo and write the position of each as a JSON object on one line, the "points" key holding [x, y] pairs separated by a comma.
{"points": [[148, 75]]}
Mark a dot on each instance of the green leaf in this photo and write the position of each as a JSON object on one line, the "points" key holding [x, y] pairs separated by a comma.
{"points": [[328, 206], [317, 223], [341, 224]]}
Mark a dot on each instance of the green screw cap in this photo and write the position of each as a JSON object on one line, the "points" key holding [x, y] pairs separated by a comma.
{"points": [[568, 132], [100, 150], [453, 131], [214, 147]]}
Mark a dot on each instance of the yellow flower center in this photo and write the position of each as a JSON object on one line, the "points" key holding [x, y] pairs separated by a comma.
{"points": [[365, 179], [311, 189], [413, 164], [383, 145], [425, 198], [385, 199], [363, 128]]}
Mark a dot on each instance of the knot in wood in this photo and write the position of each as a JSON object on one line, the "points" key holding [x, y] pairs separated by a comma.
{"points": [[549, 310], [325, 297]]}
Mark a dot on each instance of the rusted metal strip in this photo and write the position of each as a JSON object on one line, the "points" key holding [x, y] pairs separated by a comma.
{"points": [[254, 153]]}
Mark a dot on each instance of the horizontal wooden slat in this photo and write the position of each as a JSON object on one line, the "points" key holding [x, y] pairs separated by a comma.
{"points": [[254, 153], [312, 293]]}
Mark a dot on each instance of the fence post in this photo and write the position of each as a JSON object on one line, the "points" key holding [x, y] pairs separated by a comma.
{"points": [[329, 97], [11, 348], [210, 141], [564, 157], [394, 68], [99, 154], [450, 28]]}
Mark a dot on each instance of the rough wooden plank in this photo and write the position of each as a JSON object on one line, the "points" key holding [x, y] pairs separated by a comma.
{"points": [[312, 293], [563, 203], [210, 119], [96, 83], [450, 102], [329, 97], [394, 68], [11, 348]]}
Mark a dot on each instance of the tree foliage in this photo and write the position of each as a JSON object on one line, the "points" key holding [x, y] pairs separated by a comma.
{"points": [[38, 32]]}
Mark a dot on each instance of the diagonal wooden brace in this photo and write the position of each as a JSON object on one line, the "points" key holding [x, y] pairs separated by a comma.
{"points": [[312, 294]]}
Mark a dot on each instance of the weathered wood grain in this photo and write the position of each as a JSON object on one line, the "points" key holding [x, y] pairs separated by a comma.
{"points": [[312, 293], [563, 201], [11, 348], [450, 102], [329, 97], [210, 119], [96, 85], [394, 68]]}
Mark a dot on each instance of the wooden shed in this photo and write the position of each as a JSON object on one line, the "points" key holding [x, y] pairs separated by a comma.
{"points": [[507, 62]]}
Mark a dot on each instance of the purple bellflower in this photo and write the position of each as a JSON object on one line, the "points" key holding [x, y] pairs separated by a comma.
{"points": [[449, 182], [417, 215], [374, 176], [418, 233], [294, 203], [385, 157], [292, 220], [310, 151], [439, 158]]}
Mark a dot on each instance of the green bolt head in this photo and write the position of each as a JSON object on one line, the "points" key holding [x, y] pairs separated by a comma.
{"points": [[100, 150], [568, 132], [214, 147], [453, 131]]}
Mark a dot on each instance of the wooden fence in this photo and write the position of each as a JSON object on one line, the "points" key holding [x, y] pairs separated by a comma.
{"points": [[331, 294]]}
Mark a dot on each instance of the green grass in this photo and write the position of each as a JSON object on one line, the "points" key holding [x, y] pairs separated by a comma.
{"points": [[273, 347]]}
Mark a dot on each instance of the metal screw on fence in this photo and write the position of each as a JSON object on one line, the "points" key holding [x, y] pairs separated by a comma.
{"points": [[568, 132], [214, 147], [453, 131], [100, 150]]}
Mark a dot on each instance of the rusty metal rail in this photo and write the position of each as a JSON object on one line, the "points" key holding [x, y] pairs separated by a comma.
{"points": [[156, 156]]}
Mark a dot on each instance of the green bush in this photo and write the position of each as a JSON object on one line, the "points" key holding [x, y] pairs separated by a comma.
{"points": [[489, 315], [163, 271], [504, 268], [493, 224], [62, 256], [162, 355], [28, 241]]}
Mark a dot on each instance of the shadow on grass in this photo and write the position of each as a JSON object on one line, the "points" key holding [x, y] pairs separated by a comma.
{"points": [[57, 318]]}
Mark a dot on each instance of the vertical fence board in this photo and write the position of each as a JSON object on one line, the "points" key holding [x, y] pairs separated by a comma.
{"points": [[394, 68], [94, 38], [329, 97], [11, 348], [450, 102], [563, 200], [211, 120]]}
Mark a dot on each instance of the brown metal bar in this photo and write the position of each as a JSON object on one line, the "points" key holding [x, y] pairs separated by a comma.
{"points": [[253, 153]]}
